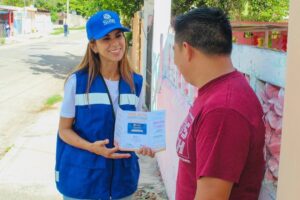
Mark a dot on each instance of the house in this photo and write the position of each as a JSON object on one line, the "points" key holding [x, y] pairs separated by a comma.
{"points": [[24, 20], [6, 16]]}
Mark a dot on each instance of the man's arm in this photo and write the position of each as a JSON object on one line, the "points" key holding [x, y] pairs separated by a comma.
{"points": [[209, 188], [222, 148]]}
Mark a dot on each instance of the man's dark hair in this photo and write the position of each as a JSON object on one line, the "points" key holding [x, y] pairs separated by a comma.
{"points": [[206, 29]]}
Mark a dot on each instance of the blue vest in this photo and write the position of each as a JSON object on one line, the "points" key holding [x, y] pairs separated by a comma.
{"points": [[84, 175]]}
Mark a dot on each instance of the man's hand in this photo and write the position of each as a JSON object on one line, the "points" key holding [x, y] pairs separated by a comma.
{"points": [[146, 151], [99, 148]]}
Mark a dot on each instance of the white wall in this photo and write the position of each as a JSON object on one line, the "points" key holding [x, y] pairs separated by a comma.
{"points": [[43, 22], [76, 20], [162, 19]]}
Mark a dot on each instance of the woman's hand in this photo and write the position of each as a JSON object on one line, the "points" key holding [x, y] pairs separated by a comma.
{"points": [[146, 151], [99, 148]]}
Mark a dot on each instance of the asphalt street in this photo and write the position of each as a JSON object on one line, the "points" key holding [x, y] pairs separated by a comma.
{"points": [[30, 72]]}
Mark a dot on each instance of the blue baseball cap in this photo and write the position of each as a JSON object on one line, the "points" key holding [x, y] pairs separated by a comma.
{"points": [[102, 23]]}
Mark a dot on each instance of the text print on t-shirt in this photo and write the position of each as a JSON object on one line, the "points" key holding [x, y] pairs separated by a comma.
{"points": [[182, 144]]}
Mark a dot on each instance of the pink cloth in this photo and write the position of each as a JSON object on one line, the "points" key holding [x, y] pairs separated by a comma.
{"points": [[272, 102]]}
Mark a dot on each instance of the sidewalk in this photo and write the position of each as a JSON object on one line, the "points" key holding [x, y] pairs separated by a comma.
{"points": [[27, 169], [24, 38]]}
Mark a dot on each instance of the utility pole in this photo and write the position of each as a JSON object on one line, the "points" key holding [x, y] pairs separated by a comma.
{"points": [[24, 18], [66, 25], [68, 2]]}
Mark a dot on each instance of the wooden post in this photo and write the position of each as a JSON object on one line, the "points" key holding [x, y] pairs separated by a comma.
{"points": [[266, 43], [289, 168]]}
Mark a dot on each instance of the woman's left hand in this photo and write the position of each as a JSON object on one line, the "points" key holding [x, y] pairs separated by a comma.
{"points": [[146, 151]]}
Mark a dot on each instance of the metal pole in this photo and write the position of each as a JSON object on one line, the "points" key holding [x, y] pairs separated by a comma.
{"points": [[24, 17], [68, 1]]}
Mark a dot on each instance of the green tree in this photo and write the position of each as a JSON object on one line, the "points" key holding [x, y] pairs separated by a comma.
{"points": [[181, 6], [53, 6], [125, 8], [233, 7], [270, 10], [255, 10], [19, 3], [80, 6], [84, 7]]}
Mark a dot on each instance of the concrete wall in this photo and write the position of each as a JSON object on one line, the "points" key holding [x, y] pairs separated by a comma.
{"points": [[43, 22], [161, 25], [76, 20], [263, 64], [26, 22]]}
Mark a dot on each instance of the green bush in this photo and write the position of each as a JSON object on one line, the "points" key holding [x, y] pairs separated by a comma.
{"points": [[54, 16]]}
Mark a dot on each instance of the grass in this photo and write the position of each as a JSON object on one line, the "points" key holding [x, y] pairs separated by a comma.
{"points": [[7, 149], [48, 104], [53, 100], [58, 31], [2, 41], [78, 28]]}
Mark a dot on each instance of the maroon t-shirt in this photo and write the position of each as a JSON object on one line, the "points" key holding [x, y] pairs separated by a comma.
{"points": [[222, 137]]}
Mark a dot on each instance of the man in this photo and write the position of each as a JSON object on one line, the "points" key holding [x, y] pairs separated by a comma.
{"points": [[66, 30], [7, 29], [220, 144]]}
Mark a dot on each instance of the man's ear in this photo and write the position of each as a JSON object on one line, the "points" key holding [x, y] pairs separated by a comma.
{"points": [[93, 46], [189, 50]]}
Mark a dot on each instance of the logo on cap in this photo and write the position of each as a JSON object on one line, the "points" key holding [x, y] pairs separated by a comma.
{"points": [[106, 16], [108, 19]]}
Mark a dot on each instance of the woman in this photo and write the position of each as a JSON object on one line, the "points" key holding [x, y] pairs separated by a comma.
{"points": [[88, 164]]}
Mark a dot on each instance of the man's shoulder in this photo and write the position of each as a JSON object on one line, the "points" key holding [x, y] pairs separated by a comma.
{"points": [[237, 96], [244, 100]]}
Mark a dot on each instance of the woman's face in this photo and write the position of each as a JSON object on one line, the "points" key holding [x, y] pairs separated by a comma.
{"points": [[111, 48]]}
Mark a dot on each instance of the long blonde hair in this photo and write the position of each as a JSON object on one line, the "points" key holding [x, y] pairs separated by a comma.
{"points": [[92, 63]]}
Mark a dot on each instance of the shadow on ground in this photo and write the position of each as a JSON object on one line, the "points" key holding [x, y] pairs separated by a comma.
{"points": [[58, 66]]}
